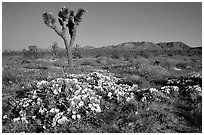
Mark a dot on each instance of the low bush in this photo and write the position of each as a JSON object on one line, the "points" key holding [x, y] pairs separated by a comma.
{"points": [[33, 65], [89, 62], [9, 78], [153, 72], [141, 61], [182, 65]]}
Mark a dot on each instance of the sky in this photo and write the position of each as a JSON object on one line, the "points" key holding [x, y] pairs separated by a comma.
{"points": [[104, 23]]}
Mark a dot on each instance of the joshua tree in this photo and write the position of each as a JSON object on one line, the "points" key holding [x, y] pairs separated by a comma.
{"points": [[54, 47], [67, 19]]}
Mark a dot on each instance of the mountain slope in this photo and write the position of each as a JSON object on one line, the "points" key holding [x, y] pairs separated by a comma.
{"points": [[153, 46], [139, 45], [173, 45]]}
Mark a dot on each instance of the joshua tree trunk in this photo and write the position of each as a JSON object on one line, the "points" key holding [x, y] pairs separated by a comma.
{"points": [[71, 43], [67, 51], [69, 47], [70, 53]]}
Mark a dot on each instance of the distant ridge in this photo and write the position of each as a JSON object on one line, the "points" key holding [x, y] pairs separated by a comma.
{"points": [[152, 46], [144, 45], [140, 45]]}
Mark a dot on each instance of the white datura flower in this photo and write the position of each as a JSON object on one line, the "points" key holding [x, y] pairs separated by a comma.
{"points": [[24, 120], [22, 113], [55, 91], [62, 120], [81, 103], [78, 116], [41, 83], [54, 110], [56, 118], [16, 119], [42, 110], [5, 117], [74, 116], [109, 94], [34, 94]]}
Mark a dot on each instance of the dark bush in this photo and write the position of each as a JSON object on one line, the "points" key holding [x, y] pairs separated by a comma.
{"points": [[182, 65]]}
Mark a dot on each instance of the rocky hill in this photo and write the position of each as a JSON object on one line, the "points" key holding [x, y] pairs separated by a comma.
{"points": [[139, 45], [173, 45], [153, 46]]}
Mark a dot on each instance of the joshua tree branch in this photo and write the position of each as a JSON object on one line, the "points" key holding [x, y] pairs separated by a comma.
{"points": [[56, 30], [63, 29]]}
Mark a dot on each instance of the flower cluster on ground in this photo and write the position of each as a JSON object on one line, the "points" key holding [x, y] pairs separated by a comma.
{"points": [[50, 104]]}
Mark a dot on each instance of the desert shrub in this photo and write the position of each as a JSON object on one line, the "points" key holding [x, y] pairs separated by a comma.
{"points": [[54, 48], [117, 61], [77, 52], [182, 65], [32, 52], [58, 63], [86, 63], [33, 65], [141, 61], [167, 65], [189, 101], [107, 61], [170, 62], [83, 69], [102, 60], [8, 78], [11, 60], [153, 72], [132, 79], [89, 62], [25, 60], [15, 59], [159, 82]]}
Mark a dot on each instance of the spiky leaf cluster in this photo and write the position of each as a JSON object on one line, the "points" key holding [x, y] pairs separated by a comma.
{"points": [[70, 25], [72, 13], [71, 22], [78, 16], [48, 18], [64, 13]]}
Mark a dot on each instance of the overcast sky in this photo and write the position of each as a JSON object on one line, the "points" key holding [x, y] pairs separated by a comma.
{"points": [[104, 23]]}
